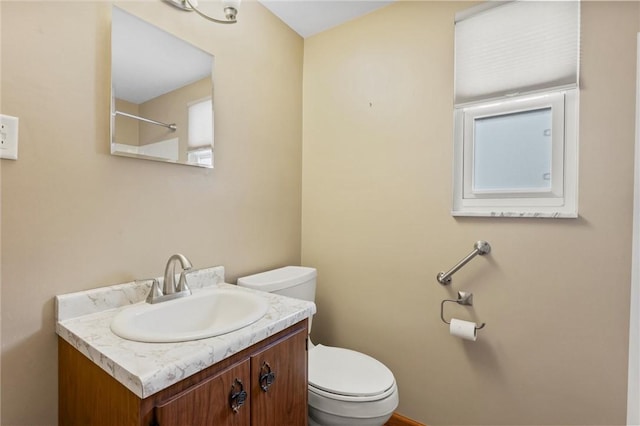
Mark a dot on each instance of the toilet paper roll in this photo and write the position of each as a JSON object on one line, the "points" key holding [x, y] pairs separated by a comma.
{"points": [[463, 329]]}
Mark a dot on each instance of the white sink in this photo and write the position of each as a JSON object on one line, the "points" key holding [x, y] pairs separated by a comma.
{"points": [[205, 313]]}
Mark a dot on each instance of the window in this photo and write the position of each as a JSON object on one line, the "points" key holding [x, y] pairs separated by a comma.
{"points": [[512, 152], [515, 118], [200, 133]]}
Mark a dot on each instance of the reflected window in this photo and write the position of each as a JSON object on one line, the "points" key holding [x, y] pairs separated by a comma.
{"points": [[200, 135], [201, 124]]}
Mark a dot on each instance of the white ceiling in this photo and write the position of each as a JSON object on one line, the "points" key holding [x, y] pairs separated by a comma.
{"points": [[309, 17]]}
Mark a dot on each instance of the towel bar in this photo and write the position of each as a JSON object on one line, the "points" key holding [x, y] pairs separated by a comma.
{"points": [[479, 248]]}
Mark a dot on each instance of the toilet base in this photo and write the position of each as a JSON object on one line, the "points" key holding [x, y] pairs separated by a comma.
{"points": [[333, 420]]}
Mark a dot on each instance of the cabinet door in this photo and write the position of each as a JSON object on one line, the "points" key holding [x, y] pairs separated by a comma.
{"points": [[210, 402], [279, 383]]}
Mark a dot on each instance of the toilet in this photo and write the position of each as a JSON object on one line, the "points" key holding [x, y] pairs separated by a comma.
{"points": [[345, 387]]}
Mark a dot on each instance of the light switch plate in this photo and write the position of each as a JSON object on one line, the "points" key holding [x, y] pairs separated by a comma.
{"points": [[8, 137]]}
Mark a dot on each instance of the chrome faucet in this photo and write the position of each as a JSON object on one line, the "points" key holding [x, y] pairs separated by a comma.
{"points": [[169, 288]]}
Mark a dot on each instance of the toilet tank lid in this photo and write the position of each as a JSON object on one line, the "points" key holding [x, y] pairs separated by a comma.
{"points": [[278, 279]]}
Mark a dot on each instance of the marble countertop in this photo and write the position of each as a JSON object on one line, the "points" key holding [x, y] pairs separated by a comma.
{"points": [[83, 319]]}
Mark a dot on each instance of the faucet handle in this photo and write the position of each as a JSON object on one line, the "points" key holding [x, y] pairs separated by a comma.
{"points": [[182, 282], [155, 292]]}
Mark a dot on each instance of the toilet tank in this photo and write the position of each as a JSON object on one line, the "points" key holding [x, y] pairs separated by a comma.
{"points": [[292, 281]]}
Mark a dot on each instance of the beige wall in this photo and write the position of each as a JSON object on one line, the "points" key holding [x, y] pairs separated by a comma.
{"points": [[126, 130], [377, 156], [63, 201]]}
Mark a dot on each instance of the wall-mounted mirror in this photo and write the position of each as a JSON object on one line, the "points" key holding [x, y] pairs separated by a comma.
{"points": [[161, 95]]}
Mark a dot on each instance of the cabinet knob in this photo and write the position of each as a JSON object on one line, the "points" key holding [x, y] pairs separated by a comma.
{"points": [[237, 396], [267, 377]]}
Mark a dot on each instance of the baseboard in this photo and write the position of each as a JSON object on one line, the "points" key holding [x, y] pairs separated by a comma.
{"points": [[398, 420]]}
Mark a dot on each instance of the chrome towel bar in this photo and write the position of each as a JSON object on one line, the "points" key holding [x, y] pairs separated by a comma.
{"points": [[480, 248]]}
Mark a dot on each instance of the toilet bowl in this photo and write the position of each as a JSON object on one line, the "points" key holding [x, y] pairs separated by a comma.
{"points": [[349, 388], [346, 387]]}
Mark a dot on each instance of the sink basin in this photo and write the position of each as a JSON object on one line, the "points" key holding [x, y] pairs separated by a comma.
{"points": [[205, 313]]}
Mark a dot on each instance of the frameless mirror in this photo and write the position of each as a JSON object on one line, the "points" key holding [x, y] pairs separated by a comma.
{"points": [[161, 95]]}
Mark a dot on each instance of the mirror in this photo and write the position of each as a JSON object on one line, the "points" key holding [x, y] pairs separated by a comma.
{"points": [[161, 95]]}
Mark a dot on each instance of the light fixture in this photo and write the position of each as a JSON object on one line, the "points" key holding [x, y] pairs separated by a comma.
{"points": [[230, 9]]}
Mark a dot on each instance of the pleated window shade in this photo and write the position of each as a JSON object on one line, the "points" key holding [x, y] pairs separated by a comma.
{"points": [[200, 124], [516, 47]]}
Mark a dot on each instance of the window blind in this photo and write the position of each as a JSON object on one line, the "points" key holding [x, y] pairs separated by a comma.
{"points": [[200, 124], [516, 47]]}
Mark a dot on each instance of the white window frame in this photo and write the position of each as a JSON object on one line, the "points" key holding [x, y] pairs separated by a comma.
{"points": [[561, 200]]}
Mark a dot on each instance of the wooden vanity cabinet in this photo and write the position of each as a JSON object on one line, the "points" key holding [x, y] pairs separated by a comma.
{"points": [[263, 385], [201, 404], [279, 396]]}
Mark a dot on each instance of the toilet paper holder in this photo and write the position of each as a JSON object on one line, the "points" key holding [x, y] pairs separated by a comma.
{"points": [[465, 299]]}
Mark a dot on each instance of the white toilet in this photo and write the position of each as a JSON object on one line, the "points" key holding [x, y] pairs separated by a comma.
{"points": [[345, 387]]}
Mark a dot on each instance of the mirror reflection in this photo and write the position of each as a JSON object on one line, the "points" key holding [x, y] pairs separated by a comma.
{"points": [[161, 99]]}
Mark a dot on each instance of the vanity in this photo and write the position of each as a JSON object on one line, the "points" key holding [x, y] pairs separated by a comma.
{"points": [[254, 375]]}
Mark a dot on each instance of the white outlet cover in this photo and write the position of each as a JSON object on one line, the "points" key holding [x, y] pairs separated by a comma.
{"points": [[8, 137]]}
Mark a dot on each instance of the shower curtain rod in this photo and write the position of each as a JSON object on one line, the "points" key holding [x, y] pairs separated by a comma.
{"points": [[158, 123]]}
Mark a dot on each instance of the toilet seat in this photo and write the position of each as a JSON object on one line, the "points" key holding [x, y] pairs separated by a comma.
{"points": [[331, 407], [344, 398], [346, 375], [349, 388]]}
